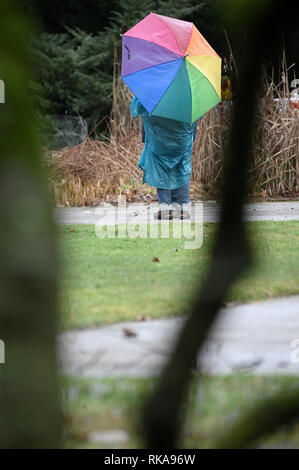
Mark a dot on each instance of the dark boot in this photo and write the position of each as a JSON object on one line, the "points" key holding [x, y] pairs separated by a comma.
{"points": [[164, 215], [181, 214]]}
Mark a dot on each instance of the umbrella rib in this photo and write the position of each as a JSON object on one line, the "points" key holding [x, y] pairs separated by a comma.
{"points": [[155, 43], [165, 24], [170, 85], [152, 66], [196, 68]]}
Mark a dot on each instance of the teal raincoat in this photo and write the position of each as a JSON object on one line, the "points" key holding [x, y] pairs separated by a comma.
{"points": [[166, 157]]}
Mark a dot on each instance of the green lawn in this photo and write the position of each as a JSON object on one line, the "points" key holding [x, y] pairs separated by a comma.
{"points": [[214, 404], [109, 280]]}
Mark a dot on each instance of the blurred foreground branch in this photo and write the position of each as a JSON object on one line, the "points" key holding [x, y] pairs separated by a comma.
{"points": [[231, 254], [30, 414], [262, 420]]}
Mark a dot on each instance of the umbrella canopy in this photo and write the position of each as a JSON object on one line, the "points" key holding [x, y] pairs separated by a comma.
{"points": [[171, 68]]}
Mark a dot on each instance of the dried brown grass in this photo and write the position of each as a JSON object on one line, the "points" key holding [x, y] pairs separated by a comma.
{"points": [[97, 170], [275, 162]]}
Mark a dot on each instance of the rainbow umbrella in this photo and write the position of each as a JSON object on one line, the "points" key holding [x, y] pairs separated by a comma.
{"points": [[171, 68]]}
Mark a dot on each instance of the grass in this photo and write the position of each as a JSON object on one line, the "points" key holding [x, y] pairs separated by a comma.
{"points": [[108, 280], [214, 404], [103, 281]]}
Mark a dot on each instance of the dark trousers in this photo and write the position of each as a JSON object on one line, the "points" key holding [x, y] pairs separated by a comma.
{"points": [[179, 196]]}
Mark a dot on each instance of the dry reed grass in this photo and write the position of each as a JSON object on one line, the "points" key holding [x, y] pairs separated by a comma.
{"points": [[96, 170], [275, 162], [101, 170]]}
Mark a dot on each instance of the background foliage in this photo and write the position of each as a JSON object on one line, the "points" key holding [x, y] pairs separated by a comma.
{"points": [[74, 48], [75, 43]]}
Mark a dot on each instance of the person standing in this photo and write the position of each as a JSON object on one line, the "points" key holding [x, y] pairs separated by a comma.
{"points": [[166, 160]]}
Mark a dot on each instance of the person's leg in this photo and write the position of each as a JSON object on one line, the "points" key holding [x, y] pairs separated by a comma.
{"points": [[165, 209], [181, 195], [181, 198], [164, 196]]}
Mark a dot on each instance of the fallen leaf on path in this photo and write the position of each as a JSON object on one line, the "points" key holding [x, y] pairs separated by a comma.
{"points": [[129, 333], [143, 318]]}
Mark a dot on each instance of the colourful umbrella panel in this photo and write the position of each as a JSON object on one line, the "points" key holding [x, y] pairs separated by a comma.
{"points": [[171, 68]]}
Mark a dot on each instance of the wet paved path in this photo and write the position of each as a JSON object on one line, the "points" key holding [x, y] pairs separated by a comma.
{"points": [[260, 337], [143, 213]]}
